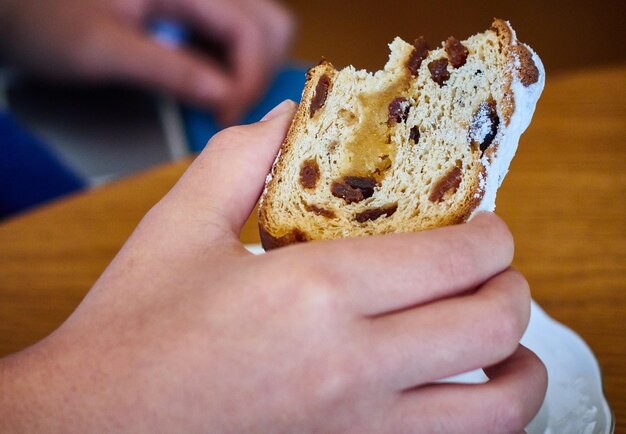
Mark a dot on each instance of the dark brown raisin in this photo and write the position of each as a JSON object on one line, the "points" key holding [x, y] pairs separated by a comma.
{"points": [[309, 174], [374, 213], [414, 134], [419, 53], [398, 110], [448, 183], [366, 184], [345, 192], [353, 188], [457, 53], [485, 125], [321, 92], [320, 211], [439, 71]]}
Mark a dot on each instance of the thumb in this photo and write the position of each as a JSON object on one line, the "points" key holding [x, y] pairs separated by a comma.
{"points": [[222, 186]]}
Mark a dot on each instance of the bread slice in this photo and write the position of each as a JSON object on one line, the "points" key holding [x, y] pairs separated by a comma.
{"points": [[423, 143]]}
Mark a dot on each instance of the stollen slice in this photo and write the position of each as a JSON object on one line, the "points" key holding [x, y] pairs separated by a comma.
{"points": [[425, 142]]}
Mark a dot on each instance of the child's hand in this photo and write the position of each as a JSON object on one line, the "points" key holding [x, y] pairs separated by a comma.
{"points": [[188, 332]]}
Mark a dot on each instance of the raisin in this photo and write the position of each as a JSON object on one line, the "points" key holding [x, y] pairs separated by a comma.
{"points": [[448, 183], [439, 71], [321, 92], [309, 174], [374, 213], [345, 192], [398, 110], [414, 134], [320, 211], [457, 53], [365, 184], [419, 53], [353, 188]]}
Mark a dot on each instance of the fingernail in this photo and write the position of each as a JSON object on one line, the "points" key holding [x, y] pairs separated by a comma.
{"points": [[282, 108]]}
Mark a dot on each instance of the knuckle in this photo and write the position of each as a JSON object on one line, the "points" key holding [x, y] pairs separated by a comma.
{"points": [[318, 295], [323, 269], [336, 382], [316, 285], [347, 374]]}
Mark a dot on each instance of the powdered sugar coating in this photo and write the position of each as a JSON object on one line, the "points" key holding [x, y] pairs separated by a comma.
{"points": [[525, 98]]}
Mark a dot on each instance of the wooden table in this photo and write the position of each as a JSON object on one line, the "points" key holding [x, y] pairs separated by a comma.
{"points": [[564, 201]]}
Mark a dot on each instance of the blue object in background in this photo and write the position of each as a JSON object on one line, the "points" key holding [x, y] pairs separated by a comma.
{"points": [[200, 126], [29, 173]]}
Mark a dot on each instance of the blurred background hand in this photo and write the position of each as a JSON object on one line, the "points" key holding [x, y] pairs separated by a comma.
{"points": [[108, 40]]}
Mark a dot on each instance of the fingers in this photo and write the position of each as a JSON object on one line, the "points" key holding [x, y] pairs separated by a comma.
{"points": [[505, 404], [275, 27], [452, 336], [383, 274], [251, 69], [256, 33], [127, 54], [221, 187]]}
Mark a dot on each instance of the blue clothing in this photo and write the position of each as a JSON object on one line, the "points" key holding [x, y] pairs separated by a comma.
{"points": [[29, 173], [288, 84]]}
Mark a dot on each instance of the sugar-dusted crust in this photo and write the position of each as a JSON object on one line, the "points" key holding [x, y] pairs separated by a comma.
{"points": [[520, 88]]}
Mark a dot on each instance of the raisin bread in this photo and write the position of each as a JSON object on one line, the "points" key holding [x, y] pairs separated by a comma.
{"points": [[423, 143]]}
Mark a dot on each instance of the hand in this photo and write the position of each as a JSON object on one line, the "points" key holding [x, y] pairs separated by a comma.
{"points": [[106, 40], [188, 332]]}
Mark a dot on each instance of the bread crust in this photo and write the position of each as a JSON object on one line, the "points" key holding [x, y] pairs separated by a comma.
{"points": [[269, 240], [521, 67], [520, 58]]}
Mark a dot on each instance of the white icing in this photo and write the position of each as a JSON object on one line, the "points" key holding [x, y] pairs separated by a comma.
{"points": [[525, 99]]}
